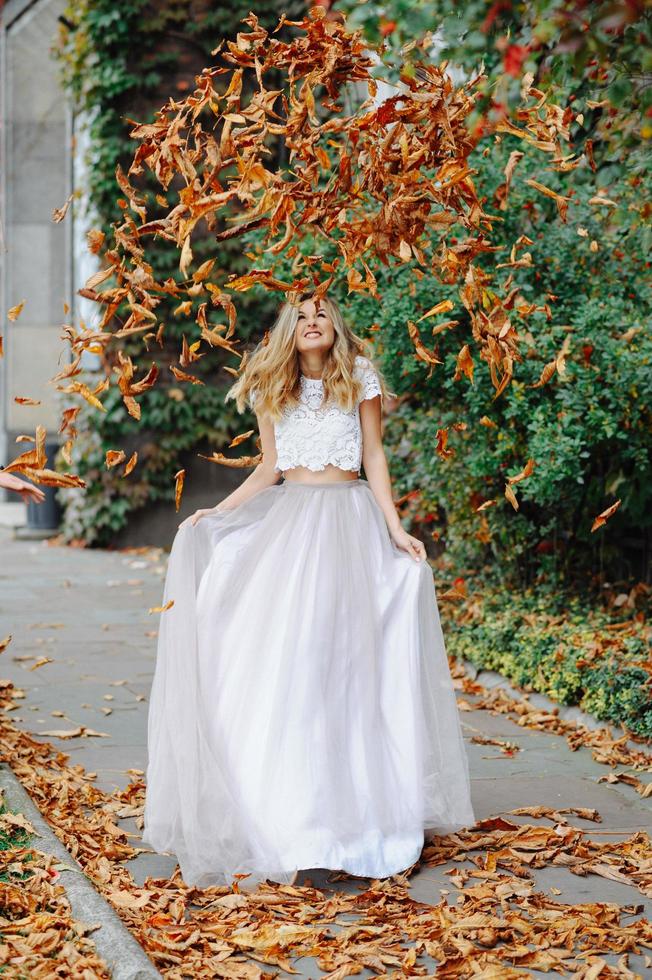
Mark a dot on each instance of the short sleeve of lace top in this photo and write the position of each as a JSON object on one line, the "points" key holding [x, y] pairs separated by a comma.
{"points": [[366, 372]]}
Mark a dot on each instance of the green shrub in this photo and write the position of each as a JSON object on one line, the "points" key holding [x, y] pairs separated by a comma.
{"points": [[559, 646]]}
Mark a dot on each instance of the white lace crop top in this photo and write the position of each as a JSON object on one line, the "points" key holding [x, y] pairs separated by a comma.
{"points": [[313, 436]]}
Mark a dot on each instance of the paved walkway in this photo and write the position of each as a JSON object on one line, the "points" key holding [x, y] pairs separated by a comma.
{"points": [[87, 612]]}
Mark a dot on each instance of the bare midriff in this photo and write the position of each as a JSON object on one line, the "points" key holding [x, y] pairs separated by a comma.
{"points": [[330, 474]]}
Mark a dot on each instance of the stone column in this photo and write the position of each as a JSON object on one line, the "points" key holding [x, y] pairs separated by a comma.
{"points": [[35, 253]]}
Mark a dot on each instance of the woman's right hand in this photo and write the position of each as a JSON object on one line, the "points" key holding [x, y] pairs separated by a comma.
{"points": [[192, 520], [197, 516]]}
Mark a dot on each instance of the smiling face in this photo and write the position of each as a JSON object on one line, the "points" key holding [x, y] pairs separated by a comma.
{"points": [[315, 330]]}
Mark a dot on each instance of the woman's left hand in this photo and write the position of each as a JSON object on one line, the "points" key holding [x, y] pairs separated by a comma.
{"points": [[407, 542]]}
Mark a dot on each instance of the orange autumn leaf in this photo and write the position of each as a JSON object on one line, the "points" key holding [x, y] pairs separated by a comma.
{"points": [[546, 374], [602, 518], [178, 488], [241, 438], [58, 214], [32, 459], [189, 352], [161, 609], [15, 311], [68, 417], [183, 376], [523, 474], [204, 270], [511, 496], [238, 462], [132, 406], [421, 351], [77, 387], [131, 463], [113, 457], [66, 451], [95, 239], [464, 364], [601, 199], [442, 440], [50, 478], [444, 325], [445, 306], [561, 201]]}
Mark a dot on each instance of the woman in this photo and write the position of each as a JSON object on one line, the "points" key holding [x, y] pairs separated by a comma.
{"points": [[302, 713]]}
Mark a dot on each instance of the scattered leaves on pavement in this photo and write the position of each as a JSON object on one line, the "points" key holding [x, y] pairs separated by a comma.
{"points": [[498, 925]]}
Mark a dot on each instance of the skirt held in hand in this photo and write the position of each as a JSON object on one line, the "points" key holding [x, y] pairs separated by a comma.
{"points": [[302, 713]]}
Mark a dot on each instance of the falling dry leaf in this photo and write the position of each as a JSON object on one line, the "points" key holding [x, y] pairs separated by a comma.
{"points": [[421, 351], [238, 462], [114, 457], [464, 364], [95, 239], [527, 470], [600, 199], [511, 496], [240, 438], [58, 214], [442, 439], [546, 374], [131, 463], [561, 201], [161, 609], [15, 311], [602, 518], [178, 488], [444, 307]]}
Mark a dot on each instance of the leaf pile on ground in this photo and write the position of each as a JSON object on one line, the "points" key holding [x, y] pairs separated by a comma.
{"points": [[605, 747], [39, 938], [500, 926]]}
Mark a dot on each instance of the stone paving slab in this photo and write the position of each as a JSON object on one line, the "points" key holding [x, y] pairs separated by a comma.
{"points": [[87, 610]]}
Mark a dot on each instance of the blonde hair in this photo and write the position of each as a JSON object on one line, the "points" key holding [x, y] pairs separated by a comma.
{"points": [[273, 372]]}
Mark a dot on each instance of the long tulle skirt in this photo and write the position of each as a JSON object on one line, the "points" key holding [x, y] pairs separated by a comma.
{"points": [[302, 713]]}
